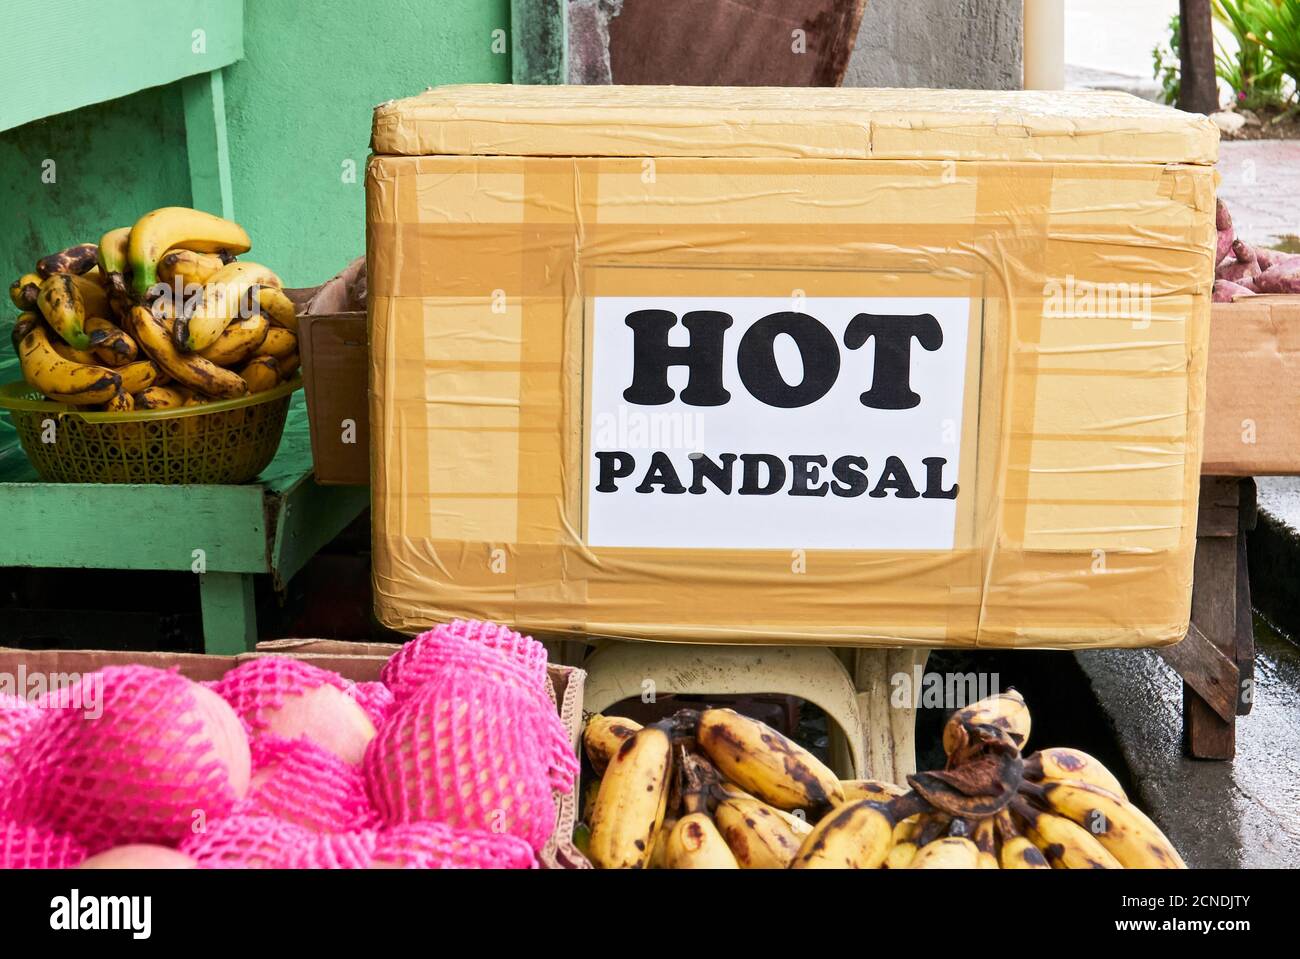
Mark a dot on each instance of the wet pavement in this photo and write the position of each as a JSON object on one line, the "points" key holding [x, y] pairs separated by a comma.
{"points": [[1239, 814], [1260, 182]]}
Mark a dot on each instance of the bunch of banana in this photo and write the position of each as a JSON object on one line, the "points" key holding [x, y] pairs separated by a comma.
{"points": [[166, 292], [749, 797]]}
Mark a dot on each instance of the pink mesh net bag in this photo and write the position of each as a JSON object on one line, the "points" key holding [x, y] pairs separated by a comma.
{"points": [[256, 687], [17, 717], [300, 782], [344, 850], [466, 751], [376, 699], [143, 754], [513, 662], [33, 847], [422, 659], [435, 845], [245, 842]]}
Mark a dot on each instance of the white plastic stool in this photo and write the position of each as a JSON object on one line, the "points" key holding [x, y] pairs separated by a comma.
{"points": [[870, 738]]}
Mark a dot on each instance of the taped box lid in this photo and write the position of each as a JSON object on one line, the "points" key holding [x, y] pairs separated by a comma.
{"points": [[827, 123]]}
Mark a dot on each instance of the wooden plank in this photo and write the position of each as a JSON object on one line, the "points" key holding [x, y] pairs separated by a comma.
{"points": [[229, 613], [1245, 646], [130, 526], [539, 37], [1204, 668], [56, 57], [1219, 512], [206, 144], [308, 516], [1209, 712]]}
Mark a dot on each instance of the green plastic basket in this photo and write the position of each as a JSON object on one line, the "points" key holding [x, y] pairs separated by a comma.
{"points": [[229, 441]]}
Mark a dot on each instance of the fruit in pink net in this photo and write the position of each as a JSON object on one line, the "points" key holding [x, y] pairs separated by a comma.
{"points": [[328, 717], [137, 755], [140, 856], [228, 737]]}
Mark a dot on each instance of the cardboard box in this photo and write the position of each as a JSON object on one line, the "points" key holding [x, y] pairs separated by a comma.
{"points": [[335, 371], [360, 662], [843, 366], [1252, 388]]}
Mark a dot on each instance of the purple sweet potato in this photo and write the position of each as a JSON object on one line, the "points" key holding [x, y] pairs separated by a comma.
{"points": [[1225, 290], [1268, 259], [1284, 278], [1236, 269], [1223, 224]]}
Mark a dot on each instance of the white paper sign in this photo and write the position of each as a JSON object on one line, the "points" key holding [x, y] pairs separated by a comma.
{"points": [[767, 423]]}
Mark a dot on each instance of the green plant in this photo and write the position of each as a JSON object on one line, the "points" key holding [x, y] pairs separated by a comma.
{"points": [[1252, 74], [1276, 28], [1166, 64]]}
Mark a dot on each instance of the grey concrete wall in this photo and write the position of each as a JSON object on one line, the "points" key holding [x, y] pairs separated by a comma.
{"points": [[966, 44]]}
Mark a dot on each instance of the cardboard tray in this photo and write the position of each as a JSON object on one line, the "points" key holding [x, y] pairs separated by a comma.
{"points": [[1252, 388], [360, 662], [335, 365]]}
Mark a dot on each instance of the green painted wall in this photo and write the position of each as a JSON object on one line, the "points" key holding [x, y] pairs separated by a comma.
{"points": [[298, 106]]}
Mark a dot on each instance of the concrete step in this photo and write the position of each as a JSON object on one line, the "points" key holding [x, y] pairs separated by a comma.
{"points": [[1239, 814]]}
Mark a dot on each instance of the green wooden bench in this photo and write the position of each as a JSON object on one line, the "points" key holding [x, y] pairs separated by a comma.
{"points": [[272, 525]]}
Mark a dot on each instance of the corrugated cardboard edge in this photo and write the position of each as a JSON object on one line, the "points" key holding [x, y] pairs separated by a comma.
{"points": [[1253, 374], [360, 662]]}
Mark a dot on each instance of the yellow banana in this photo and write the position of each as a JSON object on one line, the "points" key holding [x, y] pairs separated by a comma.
{"points": [[280, 343], [189, 267], [1071, 765], [138, 376], [1017, 851], [603, 736], [696, 843], [763, 762], [261, 373], [63, 380], [757, 836], [855, 835], [122, 402], [1122, 828], [278, 308], [77, 259], [24, 324], [112, 346], [189, 370], [159, 398], [948, 852], [798, 823], [64, 309], [288, 366], [629, 809], [904, 847], [1066, 844], [161, 230], [985, 840], [93, 294], [23, 290], [224, 297], [238, 342], [878, 789], [659, 855], [112, 251], [1006, 711], [74, 356]]}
